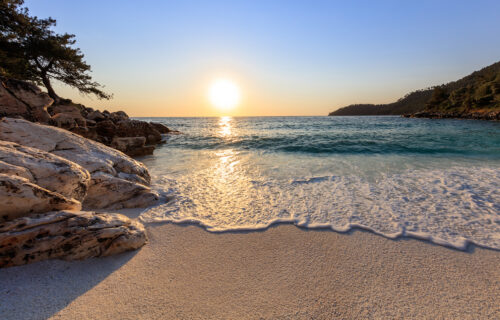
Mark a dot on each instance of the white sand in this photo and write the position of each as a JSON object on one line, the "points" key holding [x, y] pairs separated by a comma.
{"points": [[281, 273]]}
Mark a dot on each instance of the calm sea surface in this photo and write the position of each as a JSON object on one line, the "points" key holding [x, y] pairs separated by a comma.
{"points": [[431, 179]]}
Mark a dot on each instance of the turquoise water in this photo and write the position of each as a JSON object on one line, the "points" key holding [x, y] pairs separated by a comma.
{"points": [[432, 179]]}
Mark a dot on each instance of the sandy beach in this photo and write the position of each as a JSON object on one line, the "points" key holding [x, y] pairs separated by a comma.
{"points": [[284, 272]]}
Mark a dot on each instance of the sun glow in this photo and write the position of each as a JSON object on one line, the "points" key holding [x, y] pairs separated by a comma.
{"points": [[224, 94]]}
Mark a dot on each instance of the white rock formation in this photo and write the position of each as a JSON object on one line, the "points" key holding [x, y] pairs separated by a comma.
{"points": [[67, 235], [118, 181], [44, 169], [20, 197]]}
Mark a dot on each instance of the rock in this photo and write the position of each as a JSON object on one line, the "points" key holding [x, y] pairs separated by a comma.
{"points": [[107, 191], [67, 235], [136, 128], [44, 169], [12, 170], [118, 116], [92, 156], [96, 116], [161, 128], [133, 146], [106, 129], [69, 121], [66, 108], [22, 99], [20, 197]]}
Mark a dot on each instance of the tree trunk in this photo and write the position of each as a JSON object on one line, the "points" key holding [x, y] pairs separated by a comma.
{"points": [[50, 90]]}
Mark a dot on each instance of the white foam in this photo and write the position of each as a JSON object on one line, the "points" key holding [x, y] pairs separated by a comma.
{"points": [[449, 206]]}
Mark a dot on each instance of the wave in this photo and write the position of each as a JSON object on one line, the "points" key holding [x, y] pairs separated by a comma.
{"points": [[451, 207]]}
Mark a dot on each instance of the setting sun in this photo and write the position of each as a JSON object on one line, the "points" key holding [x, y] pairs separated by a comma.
{"points": [[224, 94]]}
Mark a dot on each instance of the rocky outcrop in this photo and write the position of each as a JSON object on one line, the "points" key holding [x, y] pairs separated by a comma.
{"points": [[58, 170], [44, 169], [22, 99], [67, 235], [19, 99], [117, 181], [20, 197], [474, 115]]}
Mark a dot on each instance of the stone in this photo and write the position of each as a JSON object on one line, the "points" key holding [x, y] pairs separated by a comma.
{"points": [[161, 128], [106, 128], [133, 146], [23, 99], [110, 192], [118, 116], [20, 197], [96, 116], [66, 108], [44, 169], [104, 163], [69, 120], [136, 128], [67, 235]]}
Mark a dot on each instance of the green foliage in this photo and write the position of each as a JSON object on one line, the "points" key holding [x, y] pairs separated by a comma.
{"points": [[479, 91], [31, 50]]}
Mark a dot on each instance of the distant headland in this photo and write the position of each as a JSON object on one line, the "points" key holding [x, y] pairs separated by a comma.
{"points": [[476, 96]]}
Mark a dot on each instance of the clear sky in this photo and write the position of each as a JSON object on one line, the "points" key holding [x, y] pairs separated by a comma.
{"points": [[159, 58]]}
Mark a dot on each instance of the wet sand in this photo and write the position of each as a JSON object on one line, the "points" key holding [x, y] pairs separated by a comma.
{"points": [[284, 272]]}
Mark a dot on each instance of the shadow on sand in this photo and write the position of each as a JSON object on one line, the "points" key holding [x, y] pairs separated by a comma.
{"points": [[40, 290]]}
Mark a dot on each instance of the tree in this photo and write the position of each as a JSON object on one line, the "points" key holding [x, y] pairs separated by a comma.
{"points": [[33, 51]]}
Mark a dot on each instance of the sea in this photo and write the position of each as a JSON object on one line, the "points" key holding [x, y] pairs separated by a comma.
{"points": [[437, 180]]}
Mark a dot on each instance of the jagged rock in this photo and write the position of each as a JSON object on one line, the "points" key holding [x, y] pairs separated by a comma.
{"points": [[44, 169], [106, 128], [118, 116], [12, 170], [93, 156], [107, 191], [136, 128], [20, 197], [96, 116], [161, 128], [133, 146], [66, 108], [22, 99], [67, 235]]}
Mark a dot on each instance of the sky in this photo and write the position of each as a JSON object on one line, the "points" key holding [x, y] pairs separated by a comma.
{"points": [[159, 58]]}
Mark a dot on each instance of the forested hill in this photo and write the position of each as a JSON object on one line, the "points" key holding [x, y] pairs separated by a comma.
{"points": [[474, 96], [411, 103]]}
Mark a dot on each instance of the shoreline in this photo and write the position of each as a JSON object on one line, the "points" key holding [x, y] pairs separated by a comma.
{"points": [[284, 272]]}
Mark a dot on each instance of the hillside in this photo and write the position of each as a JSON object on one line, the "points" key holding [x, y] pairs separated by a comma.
{"points": [[411, 103], [475, 96]]}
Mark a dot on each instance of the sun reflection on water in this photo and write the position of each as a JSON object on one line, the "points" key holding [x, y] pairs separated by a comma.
{"points": [[225, 126]]}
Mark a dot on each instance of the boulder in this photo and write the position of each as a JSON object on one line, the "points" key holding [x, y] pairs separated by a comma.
{"points": [[69, 121], [133, 146], [161, 128], [74, 109], [106, 128], [44, 169], [104, 163], [20, 197], [107, 191], [22, 99], [118, 116], [96, 116], [12, 170], [67, 235], [136, 128]]}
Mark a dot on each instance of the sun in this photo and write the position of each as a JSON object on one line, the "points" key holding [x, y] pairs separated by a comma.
{"points": [[224, 94]]}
